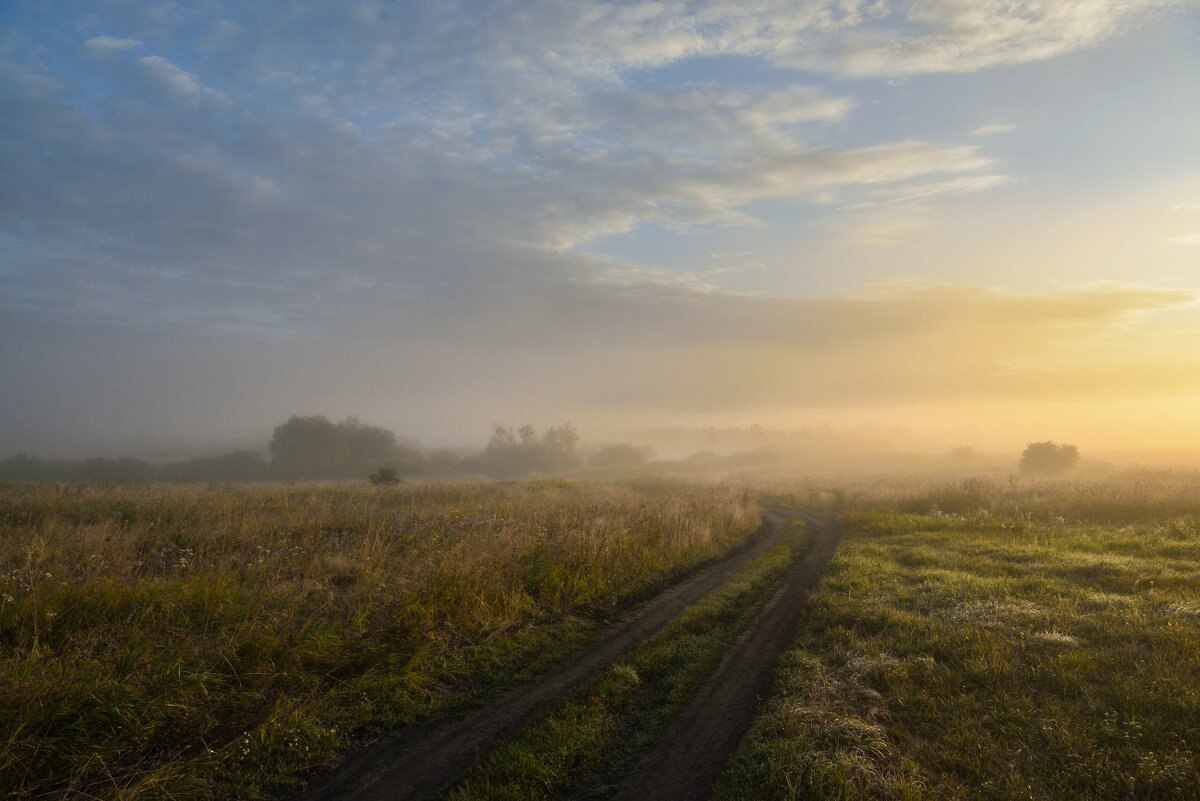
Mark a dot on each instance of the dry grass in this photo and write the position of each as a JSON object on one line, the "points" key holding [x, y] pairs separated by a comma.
{"points": [[209, 642]]}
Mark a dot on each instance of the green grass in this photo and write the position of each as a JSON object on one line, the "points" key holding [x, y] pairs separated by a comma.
{"points": [[988, 657], [193, 642], [587, 744]]}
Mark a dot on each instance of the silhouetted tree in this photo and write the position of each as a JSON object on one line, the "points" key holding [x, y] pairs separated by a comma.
{"points": [[505, 456], [23, 467], [557, 448], [124, 469], [1048, 457], [314, 447], [236, 466]]}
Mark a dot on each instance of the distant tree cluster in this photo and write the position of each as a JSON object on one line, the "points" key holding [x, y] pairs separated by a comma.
{"points": [[315, 448], [1045, 458], [508, 454], [236, 466], [306, 448]]}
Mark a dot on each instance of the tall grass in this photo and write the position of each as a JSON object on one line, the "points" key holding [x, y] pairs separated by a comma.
{"points": [[1113, 498], [209, 642]]}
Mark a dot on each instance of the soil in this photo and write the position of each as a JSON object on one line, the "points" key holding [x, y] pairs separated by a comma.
{"points": [[419, 761]]}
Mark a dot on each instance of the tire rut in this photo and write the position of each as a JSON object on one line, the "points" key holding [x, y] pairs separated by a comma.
{"points": [[685, 763], [422, 759]]}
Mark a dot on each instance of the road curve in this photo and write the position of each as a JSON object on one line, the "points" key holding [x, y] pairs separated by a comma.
{"points": [[418, 762]]}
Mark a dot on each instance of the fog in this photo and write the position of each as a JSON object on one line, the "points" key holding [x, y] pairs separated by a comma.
{"points": [[912, 368], [646, 221]]}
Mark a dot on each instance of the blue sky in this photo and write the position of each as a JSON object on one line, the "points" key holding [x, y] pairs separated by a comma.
{"points": [[443, 215]]}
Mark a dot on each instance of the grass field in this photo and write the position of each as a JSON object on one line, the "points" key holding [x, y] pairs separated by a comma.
{"points": [[191, 642], [1028, 640], [986, 638]]}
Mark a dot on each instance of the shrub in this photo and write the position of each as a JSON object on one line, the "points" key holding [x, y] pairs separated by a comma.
{"points": [[385, 476], [1048, 457]]}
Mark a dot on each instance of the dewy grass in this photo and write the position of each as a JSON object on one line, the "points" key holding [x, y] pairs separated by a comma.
{"points": [[192, 642], [588, 743], [949, 656]]}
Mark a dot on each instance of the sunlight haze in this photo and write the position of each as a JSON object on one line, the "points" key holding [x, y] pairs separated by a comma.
{"points": [[975, 221]]}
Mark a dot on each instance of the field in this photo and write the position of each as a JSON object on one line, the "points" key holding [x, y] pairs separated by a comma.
{"points": [[994, 641], [972, 638], [197, 642]]}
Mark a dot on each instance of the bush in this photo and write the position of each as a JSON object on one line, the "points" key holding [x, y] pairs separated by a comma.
{"points": [[1048, 457], [385, 476]]}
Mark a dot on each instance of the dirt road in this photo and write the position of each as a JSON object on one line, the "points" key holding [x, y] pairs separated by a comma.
{"points": [[424, 758], [685, 763]]}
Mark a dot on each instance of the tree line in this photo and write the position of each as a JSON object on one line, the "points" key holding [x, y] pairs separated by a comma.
{"points": [[316, 448]]}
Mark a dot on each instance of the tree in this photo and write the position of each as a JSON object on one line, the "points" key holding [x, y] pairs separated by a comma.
{"points": [[1048, 457], [314, 447], [506, 456], [236, 466], [558, 447]]}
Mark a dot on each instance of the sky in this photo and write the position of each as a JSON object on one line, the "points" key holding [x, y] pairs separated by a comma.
{"points": [[976, 219]]}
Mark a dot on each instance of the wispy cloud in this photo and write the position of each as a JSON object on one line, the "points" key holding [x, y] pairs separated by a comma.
{"points": [[967, 35], [100, 45], [994, 129]]}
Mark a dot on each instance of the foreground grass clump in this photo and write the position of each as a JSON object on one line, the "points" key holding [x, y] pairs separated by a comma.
{"points": [[209, 643], [951, 657]]}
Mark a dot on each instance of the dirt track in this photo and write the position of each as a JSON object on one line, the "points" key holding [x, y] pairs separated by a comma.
{"points": [[685, 763], [423, 759]]}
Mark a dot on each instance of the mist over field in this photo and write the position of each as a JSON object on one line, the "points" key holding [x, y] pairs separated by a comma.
{"points": [[886, 228]]}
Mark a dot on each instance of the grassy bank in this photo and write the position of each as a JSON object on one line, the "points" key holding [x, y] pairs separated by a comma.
{"points": [[1017, 646], [211, 642]]}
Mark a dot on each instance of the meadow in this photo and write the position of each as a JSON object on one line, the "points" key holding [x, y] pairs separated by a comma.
{"points": [[988, 637], [1006, 639], [216, 642]]}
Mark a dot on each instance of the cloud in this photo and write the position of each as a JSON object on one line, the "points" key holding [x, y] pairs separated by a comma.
{"points": [[1185, 240], [170, 79], [969, 35], [177, 201], [402, 193], [103, 45], [911, 193], [993, 129]]}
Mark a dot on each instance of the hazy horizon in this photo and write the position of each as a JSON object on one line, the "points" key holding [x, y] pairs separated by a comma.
{"points": [[974, 222]]}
